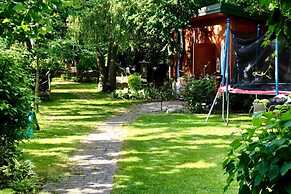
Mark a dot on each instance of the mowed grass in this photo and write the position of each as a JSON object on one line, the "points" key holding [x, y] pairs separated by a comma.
{"points": [[71, 113], [175, 153]]}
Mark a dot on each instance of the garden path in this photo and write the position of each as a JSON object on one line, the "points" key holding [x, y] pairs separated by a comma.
{"points": [[95, 162]]}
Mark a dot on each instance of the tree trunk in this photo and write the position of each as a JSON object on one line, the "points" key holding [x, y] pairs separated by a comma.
{"points": [[113, 68], [105, 87], [36, 89], [112, 76], [98, 67], [102, 70], [109, 75]]}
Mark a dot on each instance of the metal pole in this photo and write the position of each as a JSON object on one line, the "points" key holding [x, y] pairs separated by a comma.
{"points": [[227, 37], [277, 66], [225, 75], [223, 103], [212, 106], [258, 46], [227, 108]]}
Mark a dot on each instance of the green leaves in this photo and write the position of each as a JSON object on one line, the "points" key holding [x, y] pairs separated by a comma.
{"points": [[6, 20], [19, 8], [45, 30], [25, 27], [265, 2], [24, 20], [244, 189], [257, 121], [273, 172], [15, 93], [236, 143], [261, 157], [285, 168], [198, 92]]}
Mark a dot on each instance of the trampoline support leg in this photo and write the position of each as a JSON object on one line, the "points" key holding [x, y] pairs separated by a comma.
{"points": [[212, 106], [222, 104], [227, 109], [277, 66]]}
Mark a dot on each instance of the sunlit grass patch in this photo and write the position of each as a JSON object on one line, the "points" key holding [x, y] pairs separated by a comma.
{"points": [[73, 111], [175, 153]]}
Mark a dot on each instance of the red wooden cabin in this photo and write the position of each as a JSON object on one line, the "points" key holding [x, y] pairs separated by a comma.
{"points": [[201, 42]]}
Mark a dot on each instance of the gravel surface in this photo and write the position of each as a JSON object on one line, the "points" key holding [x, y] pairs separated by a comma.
{"points": [[95, 162]]}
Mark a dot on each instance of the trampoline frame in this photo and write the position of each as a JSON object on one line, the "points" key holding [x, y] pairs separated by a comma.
{"points": [[226, 88]]}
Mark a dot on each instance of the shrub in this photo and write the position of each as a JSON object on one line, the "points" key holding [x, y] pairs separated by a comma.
{"points": [[149, 93], [134, 82], [15, 103], [161, 93], [121, 94], [19, 176], [126, 93], [260, 158], [15, 95], [199, 93]]}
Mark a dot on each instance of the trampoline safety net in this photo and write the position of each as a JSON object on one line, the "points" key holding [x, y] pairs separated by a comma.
{"points": [[254, 64]]}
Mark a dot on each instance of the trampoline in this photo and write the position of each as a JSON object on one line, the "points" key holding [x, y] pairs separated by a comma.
{"points": [[259, 68]]}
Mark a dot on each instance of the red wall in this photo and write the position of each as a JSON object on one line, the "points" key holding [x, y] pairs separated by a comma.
{"points": [[202, 43]]}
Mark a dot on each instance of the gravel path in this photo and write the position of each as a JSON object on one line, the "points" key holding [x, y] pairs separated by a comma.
{"points": [[95, 163]]}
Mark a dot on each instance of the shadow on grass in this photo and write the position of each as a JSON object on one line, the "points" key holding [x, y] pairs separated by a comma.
{"points": [[72, 111], [176, 153], [68, 85]]}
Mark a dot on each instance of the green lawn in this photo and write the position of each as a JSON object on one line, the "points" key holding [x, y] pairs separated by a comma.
{"points": [[163, 153], [72, 112], [175, 153]]}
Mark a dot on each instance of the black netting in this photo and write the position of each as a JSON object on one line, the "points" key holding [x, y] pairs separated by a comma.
{"points": [[254, 64]]}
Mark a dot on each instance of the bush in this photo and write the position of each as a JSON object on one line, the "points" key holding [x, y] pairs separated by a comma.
{"points": [[19, 176], [126, 93], [161, 93], [134, 82], [149, 93], [199, 93], [15, 95], [121, 94], [260, 158], [15, 103]]}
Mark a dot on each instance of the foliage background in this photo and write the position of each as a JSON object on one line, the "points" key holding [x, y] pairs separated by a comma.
{"points": [[260, 158]]}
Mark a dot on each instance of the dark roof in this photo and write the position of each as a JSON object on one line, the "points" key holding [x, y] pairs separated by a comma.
{"points": [[229, 10]]}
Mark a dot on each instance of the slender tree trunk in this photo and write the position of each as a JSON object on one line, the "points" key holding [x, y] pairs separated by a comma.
{"points": [[102, 71], [112, 76], [105, 79], [98, 65], [36, 89], [113, 68], [108, 70]]}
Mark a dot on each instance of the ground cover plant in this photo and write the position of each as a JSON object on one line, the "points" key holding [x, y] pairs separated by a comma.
{"points": [[175, 153], [260, 158], [199, 93], [15, 104], [143, 91], [72, 112]]}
